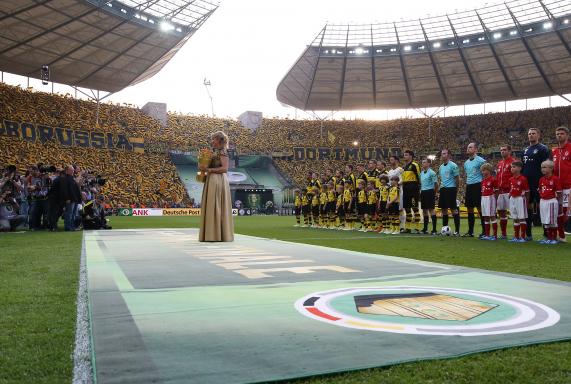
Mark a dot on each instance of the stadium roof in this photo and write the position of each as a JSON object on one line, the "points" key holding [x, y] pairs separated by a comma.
{"points": [[515, 50], [97, 44]]}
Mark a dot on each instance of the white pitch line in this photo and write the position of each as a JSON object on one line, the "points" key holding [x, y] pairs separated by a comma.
{"points": [[82, 369]]}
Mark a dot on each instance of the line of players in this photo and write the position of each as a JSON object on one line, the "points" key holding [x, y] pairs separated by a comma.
{"points": [[386, 200]]}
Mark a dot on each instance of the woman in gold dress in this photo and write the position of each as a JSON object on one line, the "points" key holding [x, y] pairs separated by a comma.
{"points": [[216, 222]]}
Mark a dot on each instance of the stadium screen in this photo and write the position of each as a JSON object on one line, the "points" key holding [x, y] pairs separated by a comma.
{"points": [[253, 198]]}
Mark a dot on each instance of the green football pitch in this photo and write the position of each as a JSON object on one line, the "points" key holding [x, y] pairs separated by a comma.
{"points": [[39, 274]]}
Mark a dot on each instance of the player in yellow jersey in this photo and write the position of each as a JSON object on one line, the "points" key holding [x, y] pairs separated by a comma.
{"points": [[339, 206], [331, 178], [372, 199], [350, 177], [305, 211], [330, 206], [393, 205], [323, 207], [297, 207], [348, 204], [315, 207], [361, 203], [314, 181], [382, 211], [411, 192]]}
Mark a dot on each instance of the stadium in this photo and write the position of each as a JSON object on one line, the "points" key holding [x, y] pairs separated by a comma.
{"points": [[402, 216]]}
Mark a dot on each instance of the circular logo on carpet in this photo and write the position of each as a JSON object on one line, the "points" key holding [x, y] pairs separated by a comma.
{"points": [[236, 177], [427, 311]]}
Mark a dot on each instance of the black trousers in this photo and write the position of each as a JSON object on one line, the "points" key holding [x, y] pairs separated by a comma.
{"points": [[55, 209]]}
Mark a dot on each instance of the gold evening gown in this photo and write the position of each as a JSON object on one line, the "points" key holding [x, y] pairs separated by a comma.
{"points": [[216, 222]]}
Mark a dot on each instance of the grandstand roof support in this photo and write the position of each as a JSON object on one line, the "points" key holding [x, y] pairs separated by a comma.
{"points": [[557, 31], [433, 62], [344, 70], [316, 65], [404, 75], [495, 53], [461, 52], [373, 74], [529, 50]]}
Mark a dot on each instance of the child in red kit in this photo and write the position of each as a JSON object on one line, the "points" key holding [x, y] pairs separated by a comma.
{"points": [[550, 191]]}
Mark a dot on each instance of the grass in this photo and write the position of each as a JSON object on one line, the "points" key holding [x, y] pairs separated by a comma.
{"points": [[38, 287], [39, 279]]}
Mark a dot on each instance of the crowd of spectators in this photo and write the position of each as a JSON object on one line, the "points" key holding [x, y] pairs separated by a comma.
{"points": [[134, 179]]}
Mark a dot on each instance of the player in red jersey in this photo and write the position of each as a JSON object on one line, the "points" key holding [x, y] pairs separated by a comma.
{"points": [[503, 176], [562, 169], [549, 205], [519, 196], [488, 201]]}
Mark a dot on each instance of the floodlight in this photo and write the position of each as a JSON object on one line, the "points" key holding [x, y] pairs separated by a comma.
{"points": [[566, 21], [497, 35], [407, 48], [359, 51], [436, 45], [45, 74], [465, 41], [513, 33], [547, 25], [166, 26], [355, 143]]}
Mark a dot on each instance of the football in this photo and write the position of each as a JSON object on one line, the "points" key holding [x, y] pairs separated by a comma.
{"points": [[445, 231]]}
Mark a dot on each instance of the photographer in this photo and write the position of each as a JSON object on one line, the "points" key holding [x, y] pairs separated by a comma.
{"points": [[9, 217], [93, 211], [11, 181], [94, 214], [38, 188]]}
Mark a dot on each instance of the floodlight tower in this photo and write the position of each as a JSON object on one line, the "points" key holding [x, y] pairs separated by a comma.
{"points": [[207, 85]]}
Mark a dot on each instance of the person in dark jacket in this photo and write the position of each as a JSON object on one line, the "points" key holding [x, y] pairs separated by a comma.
{"points": [[70, 197], [54, 201]]}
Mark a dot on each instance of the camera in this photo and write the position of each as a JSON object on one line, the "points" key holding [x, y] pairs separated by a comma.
{"points": [[98, 180], [47, 168]]}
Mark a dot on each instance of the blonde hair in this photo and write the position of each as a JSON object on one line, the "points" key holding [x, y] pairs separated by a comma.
{"points": [[548, 163], [487, 166], [220, 136]]}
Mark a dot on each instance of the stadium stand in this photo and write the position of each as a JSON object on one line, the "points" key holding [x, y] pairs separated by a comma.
{"points": [[139, 179]]}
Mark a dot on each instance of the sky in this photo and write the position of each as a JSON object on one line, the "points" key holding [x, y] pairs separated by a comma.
{"points": [[247, 46]]}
